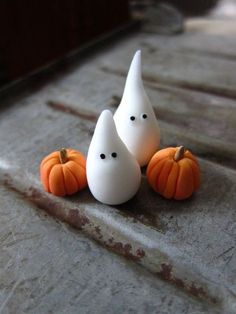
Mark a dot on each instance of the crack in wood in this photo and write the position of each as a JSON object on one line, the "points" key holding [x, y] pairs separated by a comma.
{"points": [[197, 87], [79, 112]]}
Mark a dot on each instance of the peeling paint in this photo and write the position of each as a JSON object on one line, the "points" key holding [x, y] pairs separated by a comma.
{"points": [[140, 253], [79, 220], [42, 201], [125, 250], [98, 231], [166, 273], [75, 218]]}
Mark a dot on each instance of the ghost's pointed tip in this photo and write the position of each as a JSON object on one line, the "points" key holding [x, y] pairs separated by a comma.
{"points": [[137, 57], [105, 133], [106, 121], [138, 54], [106, 114], [134, 74]]}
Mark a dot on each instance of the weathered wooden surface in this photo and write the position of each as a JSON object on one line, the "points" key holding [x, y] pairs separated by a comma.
{"points": [[187, 247], [47, 267]]}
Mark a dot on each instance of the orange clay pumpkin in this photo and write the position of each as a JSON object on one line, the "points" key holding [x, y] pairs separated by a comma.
{"points": [[63, 172], [174, 173]]}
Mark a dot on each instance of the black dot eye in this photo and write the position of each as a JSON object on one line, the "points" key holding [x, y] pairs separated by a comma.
{"points": [[102, 156], [144, 116], [132, 118], [114, 155]]}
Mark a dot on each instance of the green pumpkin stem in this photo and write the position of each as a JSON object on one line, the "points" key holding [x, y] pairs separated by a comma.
{"points": [[63, 156], [179, 153]]}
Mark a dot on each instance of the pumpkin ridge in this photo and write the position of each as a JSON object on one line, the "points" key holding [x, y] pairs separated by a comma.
{"points": [[154, 174], [158, 175], [49, 189], [63, 178], [151, 169], [154, 166], [77, 181], [153, 160], [47, 176], [193, 164], [81, 179], [190, 156], [78, 164], [184, 167], [50, 159], [165, 164], [176, 183], [62, 175], [71, 184], [193, 160], [168, 179], [82, 166], [46, 159], [77, 160]]}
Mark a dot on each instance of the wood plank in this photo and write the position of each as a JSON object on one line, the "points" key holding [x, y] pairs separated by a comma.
{"points": [[199, 73], [202, 122], [196, 44], [188, 244], [47, 266], [160, 233]]}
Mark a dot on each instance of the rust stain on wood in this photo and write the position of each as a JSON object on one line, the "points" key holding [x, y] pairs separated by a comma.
{"points": [[98, 231], [140, 253], [125, 249], [42, 201], [78, 112], [76, 219], [73, 217], [166, 273]]}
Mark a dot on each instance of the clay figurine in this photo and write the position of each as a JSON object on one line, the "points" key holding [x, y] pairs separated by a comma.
{"points": [[135, 119], [113, 174]]}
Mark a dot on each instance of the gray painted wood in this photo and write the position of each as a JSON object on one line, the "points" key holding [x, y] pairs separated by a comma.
{"points": [[49, 267]]}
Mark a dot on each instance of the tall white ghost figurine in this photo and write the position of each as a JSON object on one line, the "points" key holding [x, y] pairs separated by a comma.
{"points": [[135, 119], [113, 173]]}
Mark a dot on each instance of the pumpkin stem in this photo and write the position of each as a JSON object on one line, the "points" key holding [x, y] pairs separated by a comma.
{"points": [[63, 156], [179, 153]]}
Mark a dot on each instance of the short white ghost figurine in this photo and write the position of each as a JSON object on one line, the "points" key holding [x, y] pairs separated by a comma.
{"points": [[135, 119], [113, 173]]}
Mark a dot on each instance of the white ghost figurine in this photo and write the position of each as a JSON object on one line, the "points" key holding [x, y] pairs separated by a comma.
{"points": [[113, 173], [135, 119]]}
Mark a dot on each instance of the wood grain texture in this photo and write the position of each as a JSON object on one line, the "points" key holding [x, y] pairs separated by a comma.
{"points": [[189, 245]]}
